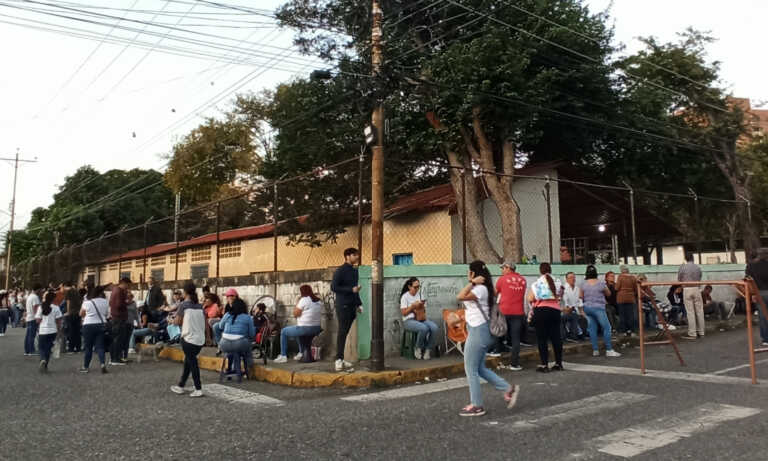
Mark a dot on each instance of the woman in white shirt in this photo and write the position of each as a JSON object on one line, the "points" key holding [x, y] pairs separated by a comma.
{"points": [[478, 298], [48, 319], [309, 314], [94, 311], [414, 310]]}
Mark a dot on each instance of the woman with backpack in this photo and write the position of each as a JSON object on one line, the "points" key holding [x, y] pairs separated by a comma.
{"points": [[94, 311], [48, 319], [545, 316], [478, 298], [191, 318]]}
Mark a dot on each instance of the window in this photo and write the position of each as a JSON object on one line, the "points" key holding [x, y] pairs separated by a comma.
{"points": [[140, 262], [199, 271], [158, 261], [127, 264], [404, 259], [91, 270], [229, 250], [113, 266], [182, 257], [201, 254], [102, 268], [158, 274], [125, 275]]}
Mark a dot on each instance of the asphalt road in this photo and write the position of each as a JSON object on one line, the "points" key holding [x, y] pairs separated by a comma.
{"points": [[599, 409]]}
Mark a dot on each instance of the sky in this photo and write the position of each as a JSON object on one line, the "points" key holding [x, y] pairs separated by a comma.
{"points": [[69, 101]]}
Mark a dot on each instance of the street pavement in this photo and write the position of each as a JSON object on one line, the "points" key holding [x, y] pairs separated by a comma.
{"points": [[598, 409]]}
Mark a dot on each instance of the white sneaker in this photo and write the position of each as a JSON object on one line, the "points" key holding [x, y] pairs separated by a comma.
{"points": [[612, 353], [339, 365], [426, 355], [281, 359], [514, 368], [671, 327], [132, 351], [493, 354], [196, 393], [119, 364], [299, 356], [595, 353], [177, 390], [764, 344], [346, 364], [417, 353]]}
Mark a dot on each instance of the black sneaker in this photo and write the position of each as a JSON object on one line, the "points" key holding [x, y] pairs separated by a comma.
{"points": [[558, 368], [83, 370], [542, 369]]}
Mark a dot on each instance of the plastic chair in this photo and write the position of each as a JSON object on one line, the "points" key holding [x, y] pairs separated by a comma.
{"points": [[455, 334], [408, 344]]}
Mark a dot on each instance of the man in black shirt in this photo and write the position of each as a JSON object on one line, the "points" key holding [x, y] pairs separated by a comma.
{"points": [[348, 303], [758, 270]]}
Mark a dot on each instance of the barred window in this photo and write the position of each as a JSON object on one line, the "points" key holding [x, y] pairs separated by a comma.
{"points": [[199, 271], [182, 257], [201, 253], [127, 264], [158, 261], [229, 250], [113, 266], [140, 262]]}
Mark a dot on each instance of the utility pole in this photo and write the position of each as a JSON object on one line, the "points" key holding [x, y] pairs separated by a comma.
{"points": [[377, 204], [15, 161]]}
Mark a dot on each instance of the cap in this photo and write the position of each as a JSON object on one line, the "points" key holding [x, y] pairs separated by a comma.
{"points": [[231, 292]]}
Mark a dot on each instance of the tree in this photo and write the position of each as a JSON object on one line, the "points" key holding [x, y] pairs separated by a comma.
{"points": [[675, 83], [494, 89], [216, 152]]}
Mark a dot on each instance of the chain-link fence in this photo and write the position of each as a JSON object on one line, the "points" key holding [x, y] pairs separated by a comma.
{"points": [[305, 223]]}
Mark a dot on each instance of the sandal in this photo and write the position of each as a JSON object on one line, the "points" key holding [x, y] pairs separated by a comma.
{"points": [[471, 410], [511, 395]]}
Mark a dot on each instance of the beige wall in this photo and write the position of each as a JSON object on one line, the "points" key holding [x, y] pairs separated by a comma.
{"points": [[426, 235]]}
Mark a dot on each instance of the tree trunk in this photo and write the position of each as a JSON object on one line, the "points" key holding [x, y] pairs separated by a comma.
{"points": [[731, 225], [478, 243], [499, 186]]}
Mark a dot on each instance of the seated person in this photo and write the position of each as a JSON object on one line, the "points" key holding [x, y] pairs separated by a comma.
{"points": [[259, 316], [650, 317], [711, 307], [213, 315], [147, 320], [414, 311], [233, 302], [309, 314], [237, 334], [675, 298]]}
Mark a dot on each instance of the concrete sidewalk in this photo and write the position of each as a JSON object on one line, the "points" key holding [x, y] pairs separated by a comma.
{"points": [[400, 370]]}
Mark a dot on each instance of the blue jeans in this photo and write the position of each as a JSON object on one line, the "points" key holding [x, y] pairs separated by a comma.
{"points": [[217, 330], [93, 337], [16, 315], [238, 348], [571, 326], [595, 316], [29, 339], [46, 344], [477, 345], [426, 333], [139, 333], [295, 332], [514, 328], [5, 317]]}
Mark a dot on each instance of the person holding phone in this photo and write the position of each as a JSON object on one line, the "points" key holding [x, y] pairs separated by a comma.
{"points": [[414, 310]]}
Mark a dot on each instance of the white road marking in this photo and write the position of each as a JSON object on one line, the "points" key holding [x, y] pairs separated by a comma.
{"points": [[696, 377], [234, 395], [667, 430], [746, 365], [547, 416], [410, 391]]}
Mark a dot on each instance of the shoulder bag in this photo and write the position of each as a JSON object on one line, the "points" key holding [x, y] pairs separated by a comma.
{"points": [[105, 326], [496, 323]]}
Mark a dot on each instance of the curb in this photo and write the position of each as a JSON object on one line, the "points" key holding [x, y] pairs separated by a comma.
{"points": [[391, 377]]}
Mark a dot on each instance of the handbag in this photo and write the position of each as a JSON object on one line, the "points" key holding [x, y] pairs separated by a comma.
{"points": [[421, 312], [497, 323]]}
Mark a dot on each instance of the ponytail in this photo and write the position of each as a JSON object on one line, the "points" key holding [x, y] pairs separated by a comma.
{"points": [[46, 306], [545, 269], [480, 269]]}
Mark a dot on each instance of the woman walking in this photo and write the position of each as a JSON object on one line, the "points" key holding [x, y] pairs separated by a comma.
{"points": [[191, 318], [594, 293], [478, 298], [546, 318], [94, 311], [48, 319]]}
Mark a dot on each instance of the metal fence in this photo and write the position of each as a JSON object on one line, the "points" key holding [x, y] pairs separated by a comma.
{"points": [[268, 227]]}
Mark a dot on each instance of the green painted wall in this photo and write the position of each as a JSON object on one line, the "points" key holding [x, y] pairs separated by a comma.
{"points": [[722, 271]]}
